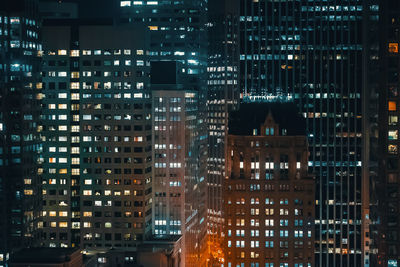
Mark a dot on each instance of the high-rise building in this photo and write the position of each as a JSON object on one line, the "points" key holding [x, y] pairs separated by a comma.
{"points": [[223, 96], [97, 136], [177, 188], [269, 199], [314, 53], [385, 217], [20, 59], [177, 31]]}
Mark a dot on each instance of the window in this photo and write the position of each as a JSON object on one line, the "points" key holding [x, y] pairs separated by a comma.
{"points": [[125, 3], [393, 48], [269, 201], [269, 222], [392, 106], [393, 134], [392, 149], [269, 211], [283, 222], [269, 233], [269, 244], [74, 53], [393, 120], [284, 233]]}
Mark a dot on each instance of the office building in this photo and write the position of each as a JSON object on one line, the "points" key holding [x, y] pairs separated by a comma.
{"points": [[315, 54], [177, 33], [385, 245], [20, 192], [97, 136], [178, 199], [268, 193], [223, 96]]}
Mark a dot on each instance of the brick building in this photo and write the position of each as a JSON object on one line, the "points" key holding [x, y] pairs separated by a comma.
{"points": [[268, 193]]}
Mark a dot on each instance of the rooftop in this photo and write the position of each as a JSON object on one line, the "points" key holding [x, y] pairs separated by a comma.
{"points": [[251, 116], [43, 255]]}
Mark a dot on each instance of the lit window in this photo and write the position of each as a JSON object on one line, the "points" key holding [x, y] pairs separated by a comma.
{"points": [[392, 106], [62, 52], [87, 192], [393, 48], [393, 134], [74, 53], [28, 192], [125, 3], [392, 149], [74, 85]]}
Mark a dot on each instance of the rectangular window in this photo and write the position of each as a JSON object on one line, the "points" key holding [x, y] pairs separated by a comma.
{"points": [[393, 48], [125, 3], [392, 106], [393, 134]]}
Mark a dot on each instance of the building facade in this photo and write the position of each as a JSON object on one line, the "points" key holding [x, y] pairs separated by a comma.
{"points": [[223, 96], [316, 54], [177, 195], [177, 31], [385, 228], [269, 200], [20, 84], [97, 136]]}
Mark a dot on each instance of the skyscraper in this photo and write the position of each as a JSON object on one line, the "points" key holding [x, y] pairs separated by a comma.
{"points": [[177, 33], [97, 136], [178, 197], [223, 96], [385, 187], [20, 192], [313, 53]]}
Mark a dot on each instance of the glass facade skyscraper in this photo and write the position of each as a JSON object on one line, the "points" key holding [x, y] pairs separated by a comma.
{"points": [[312, 53], [20, 191], [385, 186], [223, 96]]}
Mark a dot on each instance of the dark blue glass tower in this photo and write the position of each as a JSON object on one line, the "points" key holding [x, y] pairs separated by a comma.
{"points": [[20, 192], [313, 53]]}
